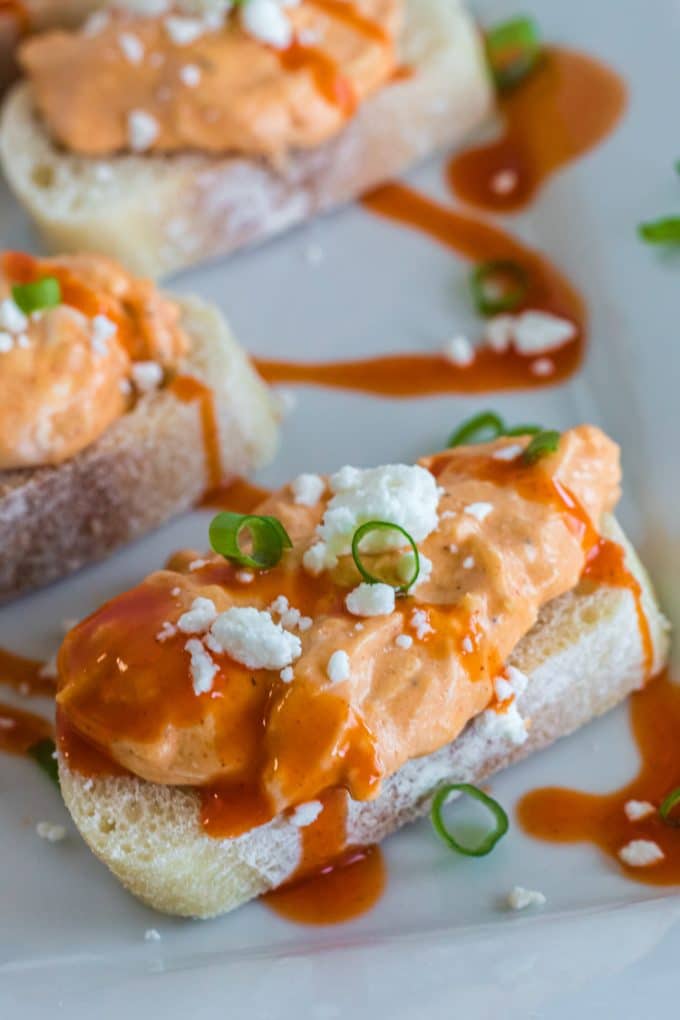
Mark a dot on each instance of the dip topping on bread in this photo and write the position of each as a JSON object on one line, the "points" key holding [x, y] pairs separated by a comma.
{"points": [[217, 84], [76, 332], [287, 681]]}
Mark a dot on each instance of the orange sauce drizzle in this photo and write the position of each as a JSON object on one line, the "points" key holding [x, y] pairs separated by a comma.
{"points": [[330, 81], [346, 12], [564, 108], [559, 815], [240, 496], [24, 675], [409, 375], [189, 390], [20, 730]]}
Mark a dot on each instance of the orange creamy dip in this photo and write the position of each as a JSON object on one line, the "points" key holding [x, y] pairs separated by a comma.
{"points": [[64, 371], [223, 91], [127, 689]]}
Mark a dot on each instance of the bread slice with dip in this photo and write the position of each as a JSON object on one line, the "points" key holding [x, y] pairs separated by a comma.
{"points": [[119, 407], [169, 139], [269, 719]]}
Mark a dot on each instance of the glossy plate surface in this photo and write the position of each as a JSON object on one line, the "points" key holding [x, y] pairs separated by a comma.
{"points": [[439, 944]]}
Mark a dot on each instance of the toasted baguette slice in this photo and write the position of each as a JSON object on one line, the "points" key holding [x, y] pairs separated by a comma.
{"points": [[148, 466], [160, 214], [582, 658]]}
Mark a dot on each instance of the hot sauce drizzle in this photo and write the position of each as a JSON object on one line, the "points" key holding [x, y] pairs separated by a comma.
{"points": [[20, 730], [564, 108], [559, 815], [330, 81], [240, 496], [188, 389], [25, 675]]}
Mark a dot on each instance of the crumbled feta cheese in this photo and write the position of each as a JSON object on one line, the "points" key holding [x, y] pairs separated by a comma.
{"points": [[535, 332], [251, 637], [401, 494], [183, 31], [12, 318], [518, 680], [103, 330], [289, 616], [267, 22], [459, 351], [146, 375], [479, 510], [638, 809], [245, 576], [467, 645], [96, 23], [52, 833], [641, 853], [520, 898], [505, 726], [403, 641], [338, 668], [468, 563], [503, 689], [504, 182], [287, 675], [176, 591], [202, 668], [6, 342], [198, 564], [190, 75], [308, 489], [306, 814], [152, 935], [132, 47], [199, 618], [420, 621], [167, 631], [499, 332], [304, 623], [510, 452], [49, 669], [143, 130], [543, 367], [371, 600]]}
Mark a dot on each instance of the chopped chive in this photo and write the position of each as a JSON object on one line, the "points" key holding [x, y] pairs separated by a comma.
{"points": [[488, 842], [541, 445], [36, 296], [513, 50], [667, 806], [268, 539], [498, 286], [369, 528], [662, 231], [43, 754], [485, 427]]}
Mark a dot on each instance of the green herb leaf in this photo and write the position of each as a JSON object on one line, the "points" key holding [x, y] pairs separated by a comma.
{"points": [[43, 754], [663, 231], [543, 444], [268, 539], [513, 50], [369, 528], [36, 296], [498, 286], [486, 845]]}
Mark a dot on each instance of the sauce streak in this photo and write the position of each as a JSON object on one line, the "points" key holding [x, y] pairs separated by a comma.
{"points": [[409, 375], [330, 81], [188, 389], [24, 675], [20, 730], [559, 815], [239, 496], [563, 109], [346, 12]]}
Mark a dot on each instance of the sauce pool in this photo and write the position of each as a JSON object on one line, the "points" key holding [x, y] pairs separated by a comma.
{"points": [[20, 730], [24, 675]]}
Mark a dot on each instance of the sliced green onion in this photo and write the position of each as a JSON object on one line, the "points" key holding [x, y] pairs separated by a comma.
{"points": [[498, 286], [486, 845], [485, 427], [34, 297], [43, 754], [369, 528], [268, 537], [513, 49], [541, 445], [667, 806], [663, 231]]}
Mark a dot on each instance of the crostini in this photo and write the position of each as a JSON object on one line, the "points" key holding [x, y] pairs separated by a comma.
{"points": [[119, 407], [165, 139], [239, 720]]}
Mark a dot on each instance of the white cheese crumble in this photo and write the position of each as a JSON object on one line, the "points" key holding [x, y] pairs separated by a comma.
{"points": [[6, 343], [167, 631], [420, 621], [190, 75], [641, 853], [459, 351], [543, 367], [498, 332], [289, 615], [406, 495], [638, 809], [198, 564], [146, 375], [287, 675], [468, 563], [520, 898], [52, 833], [306, 814], [245, 576], [152, 935], [103, 330], [184, 31], [467, 645], [504, 182], [403, 641], [96, 23], [371, 600], [251, 637], [199, 618], [267, 22], [510, 452], [143, 130], [536, 332], [132, 47], [12, 318], [338, 668], [308, 489], [202, 668], [479, 510]]}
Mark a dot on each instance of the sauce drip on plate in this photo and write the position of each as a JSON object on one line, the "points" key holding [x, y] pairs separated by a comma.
{"points": [[20, 730], [240, 496], [564, 108], [559, 815], [188, 389], [24, 675]]}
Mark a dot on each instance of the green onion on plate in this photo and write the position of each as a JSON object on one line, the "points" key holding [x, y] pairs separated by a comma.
{"points": [[486, 843]]}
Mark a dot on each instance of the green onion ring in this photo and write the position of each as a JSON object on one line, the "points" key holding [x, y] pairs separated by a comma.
{"points": [[269, 538], [43, 754], [541, 445], [488, 842], [523, 430], [662, 231], [498, 286], [366, 529], [513, 50], [34, 297], [667, 806], [485, 427]]}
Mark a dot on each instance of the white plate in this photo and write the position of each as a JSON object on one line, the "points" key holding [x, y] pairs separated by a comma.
{"points": [[438, 945]]}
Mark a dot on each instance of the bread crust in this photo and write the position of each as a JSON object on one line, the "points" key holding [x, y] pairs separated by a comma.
{"points": [[583, 656], [147, 467], [160, 214]]}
